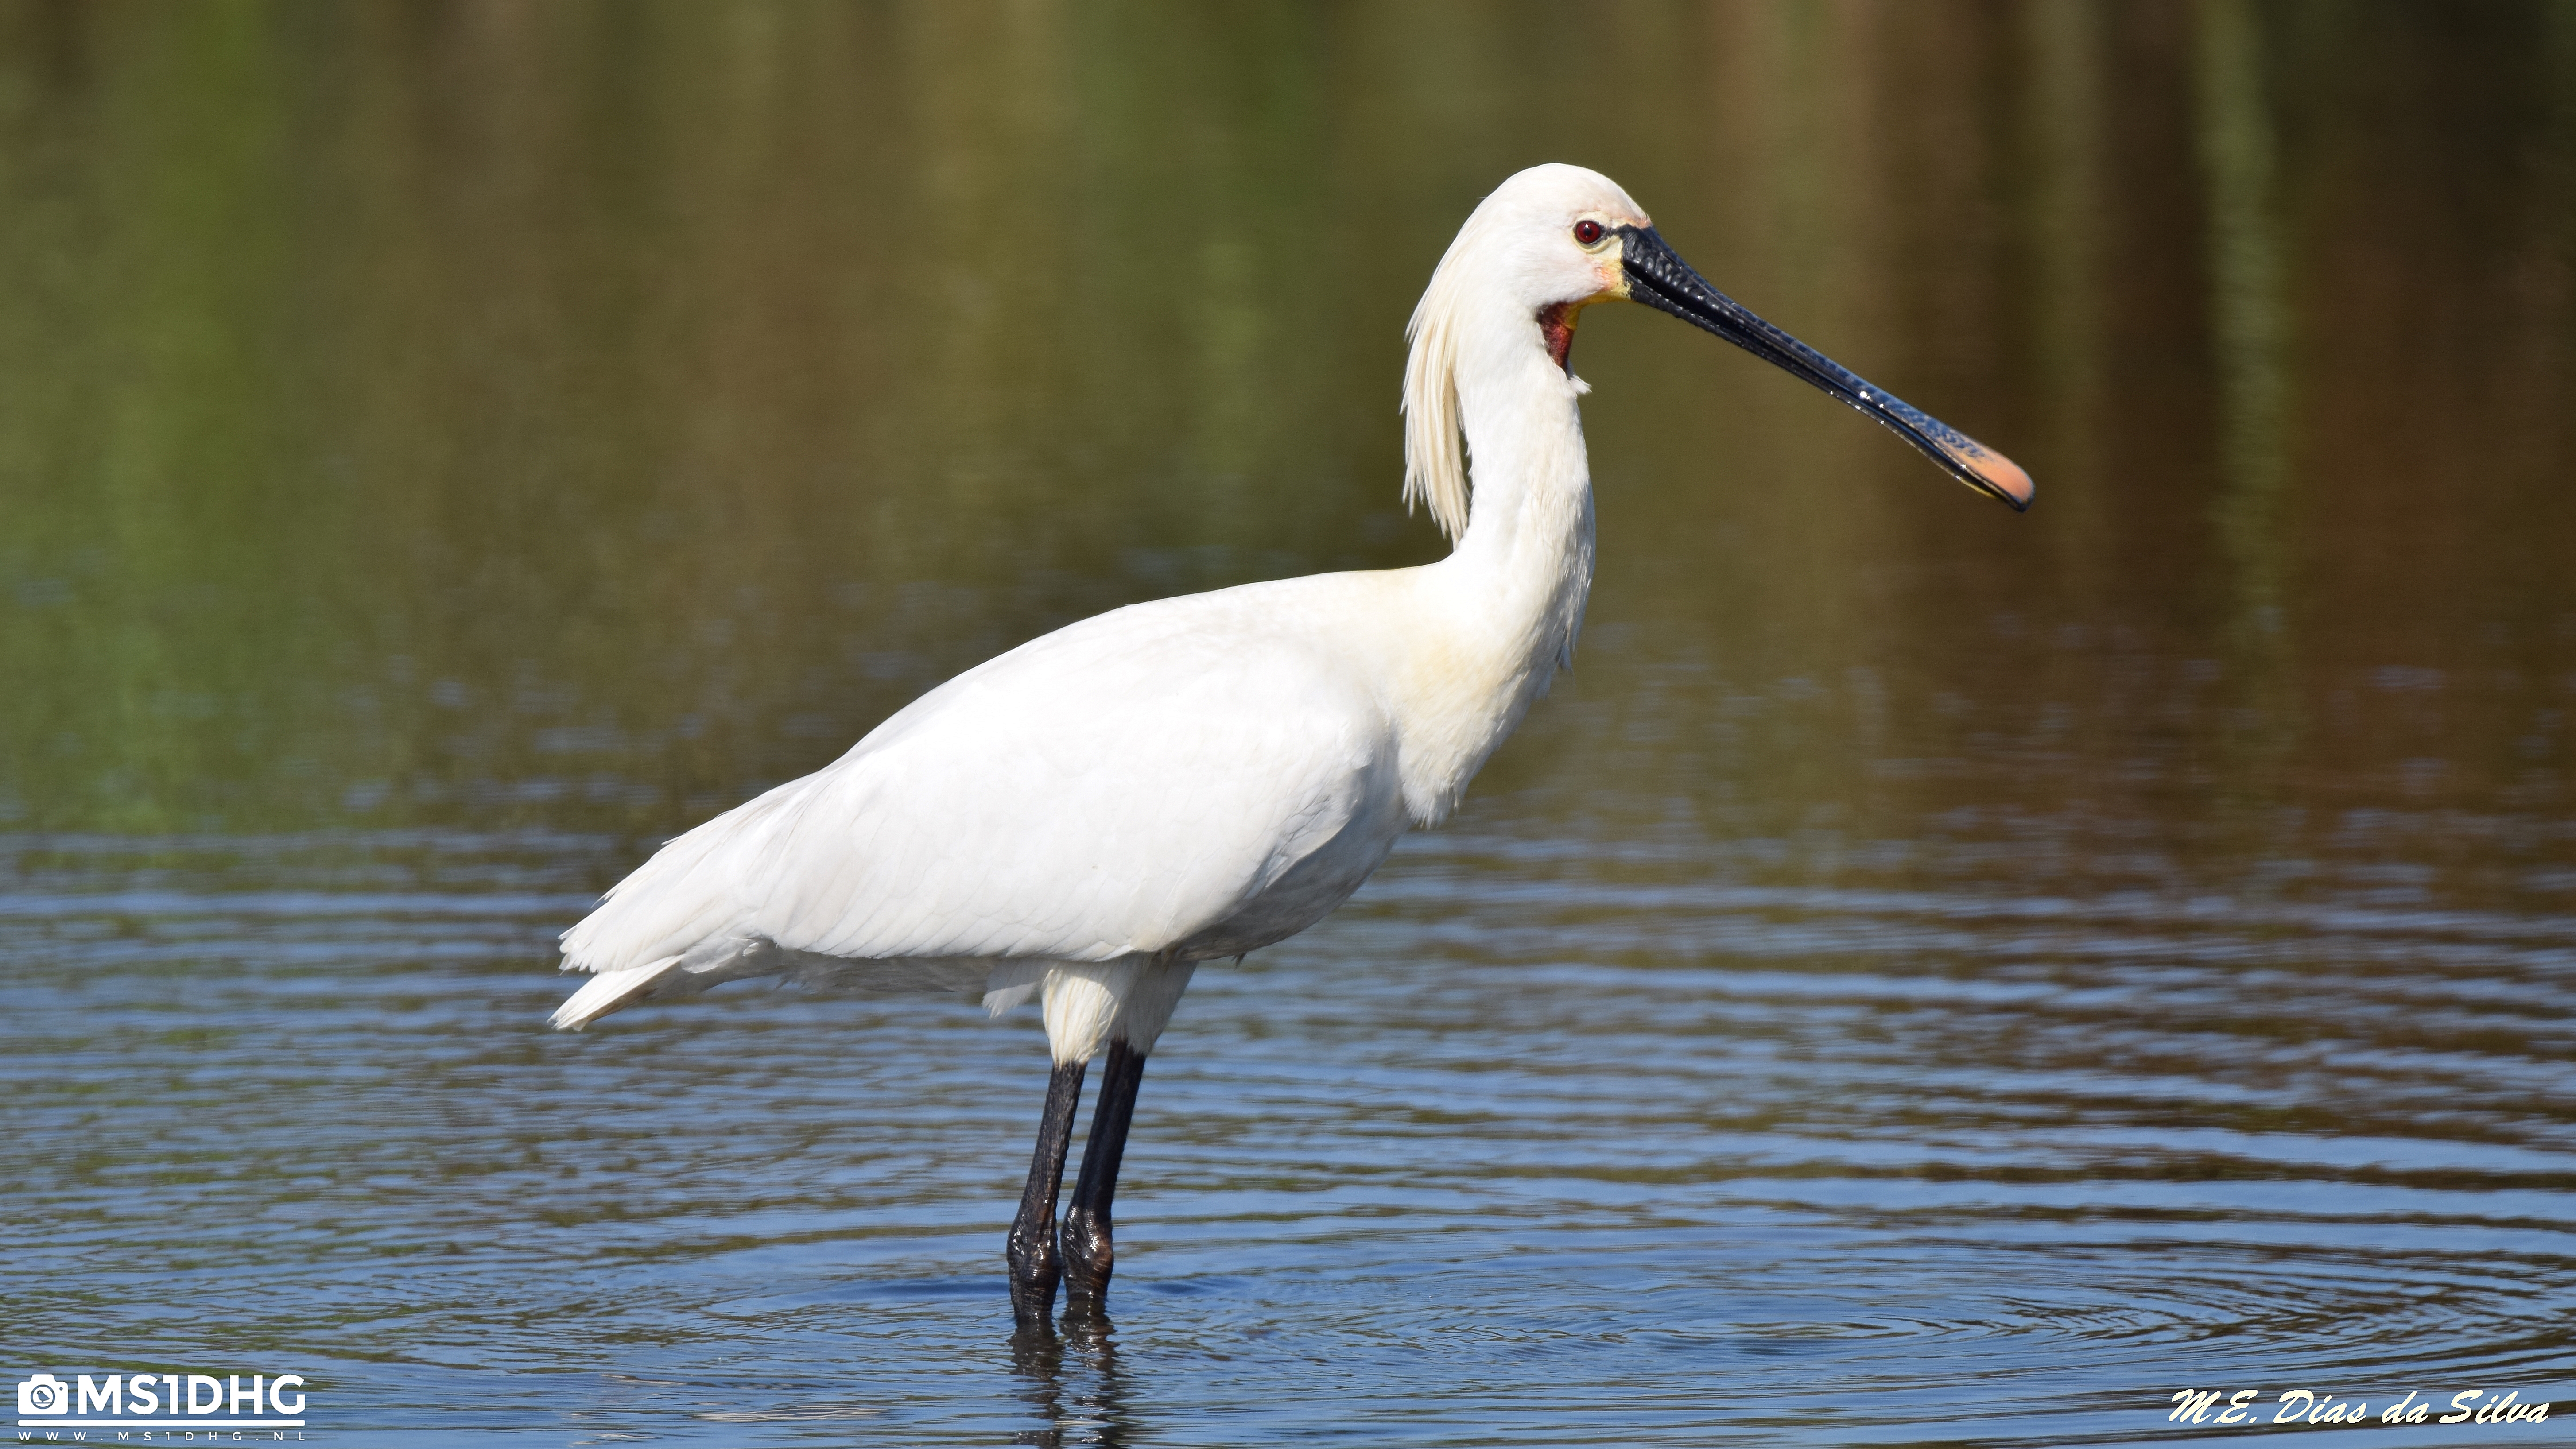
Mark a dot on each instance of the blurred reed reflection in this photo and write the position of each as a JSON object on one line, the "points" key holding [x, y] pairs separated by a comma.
{"points": [[583, 414]]}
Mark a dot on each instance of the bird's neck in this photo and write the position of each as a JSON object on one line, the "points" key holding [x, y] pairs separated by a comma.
{"points": [[1509, 600]]}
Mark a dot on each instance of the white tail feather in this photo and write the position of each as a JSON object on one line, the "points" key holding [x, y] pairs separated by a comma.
{"points": [[687, 894], [609, 991]]}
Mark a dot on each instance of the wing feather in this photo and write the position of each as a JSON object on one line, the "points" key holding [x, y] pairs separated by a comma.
{"points": [[1116, 787]]}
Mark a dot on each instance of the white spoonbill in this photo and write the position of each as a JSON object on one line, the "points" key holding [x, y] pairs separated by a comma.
{"points": [[1089, 816]]}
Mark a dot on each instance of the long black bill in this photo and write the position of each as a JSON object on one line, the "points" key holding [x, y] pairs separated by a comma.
{"points": [[1666, 283]]}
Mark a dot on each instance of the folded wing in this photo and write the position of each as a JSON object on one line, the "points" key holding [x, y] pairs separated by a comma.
{"points": [[1125, 785]]}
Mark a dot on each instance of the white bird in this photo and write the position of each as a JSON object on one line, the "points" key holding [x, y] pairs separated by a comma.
{"points": [[1089, 816]]}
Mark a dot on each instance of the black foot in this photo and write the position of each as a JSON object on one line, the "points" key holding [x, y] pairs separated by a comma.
{"points": [[1088, 1257], [1035, 1271]]}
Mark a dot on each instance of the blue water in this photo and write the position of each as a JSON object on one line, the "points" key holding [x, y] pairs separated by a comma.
{"points": [[1506, 1152]]}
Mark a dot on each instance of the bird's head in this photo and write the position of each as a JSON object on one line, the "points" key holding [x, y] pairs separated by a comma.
{"points": [[1545, 245], [1555, 239]]}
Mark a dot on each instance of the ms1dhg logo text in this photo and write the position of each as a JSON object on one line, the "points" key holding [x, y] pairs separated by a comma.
{"points": [[150, 1402]]}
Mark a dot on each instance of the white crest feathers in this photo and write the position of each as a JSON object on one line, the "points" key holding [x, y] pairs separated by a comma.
{"points": [[1435, 447]]}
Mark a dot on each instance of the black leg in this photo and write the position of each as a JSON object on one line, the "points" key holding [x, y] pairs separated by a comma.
{"points": [[1034, 1267], [1087, 1253]]}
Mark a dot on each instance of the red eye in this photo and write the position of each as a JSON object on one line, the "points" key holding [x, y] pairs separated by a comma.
{"points": [[1587, 231]]}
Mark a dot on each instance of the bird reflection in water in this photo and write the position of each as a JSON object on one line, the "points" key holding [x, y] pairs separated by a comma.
{"points": [[1071, 1381]]}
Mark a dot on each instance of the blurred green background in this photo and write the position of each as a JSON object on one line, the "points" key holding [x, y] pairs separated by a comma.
{"points": [[491, 415]]}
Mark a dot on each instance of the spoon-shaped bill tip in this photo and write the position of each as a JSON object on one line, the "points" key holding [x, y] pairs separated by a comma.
{"points": [[1663, 281], [2005, 477], [1987, 471]]}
